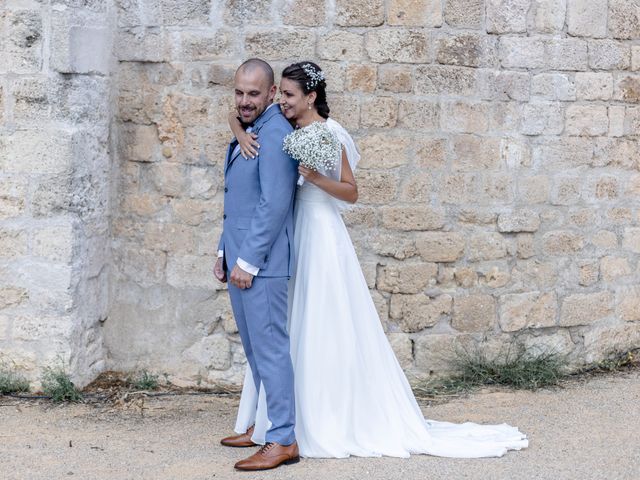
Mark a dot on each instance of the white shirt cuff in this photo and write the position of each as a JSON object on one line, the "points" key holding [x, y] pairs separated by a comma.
{"points": [[220, 253], [247, 267]]}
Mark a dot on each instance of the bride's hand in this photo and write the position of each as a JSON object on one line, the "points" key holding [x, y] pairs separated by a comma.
{"points": [[248, 144], [308, 174]]}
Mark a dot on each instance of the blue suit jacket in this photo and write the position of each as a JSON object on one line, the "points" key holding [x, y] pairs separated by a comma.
{"points": [[258, 201]]}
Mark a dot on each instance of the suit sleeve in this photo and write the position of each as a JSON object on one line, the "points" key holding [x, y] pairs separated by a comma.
{"points": [[278, 173]]}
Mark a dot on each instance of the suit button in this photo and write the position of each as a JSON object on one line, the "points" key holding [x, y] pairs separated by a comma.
{"points": [[224, 216], [226, 189]]}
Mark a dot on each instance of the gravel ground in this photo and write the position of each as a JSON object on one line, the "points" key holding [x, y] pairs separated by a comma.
{"points": [[589, 429]]}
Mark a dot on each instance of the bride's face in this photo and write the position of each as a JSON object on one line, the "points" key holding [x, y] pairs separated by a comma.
{"points": [[293, 101]]}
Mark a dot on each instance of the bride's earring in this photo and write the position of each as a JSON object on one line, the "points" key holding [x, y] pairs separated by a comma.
{"points": [[309, 105]]}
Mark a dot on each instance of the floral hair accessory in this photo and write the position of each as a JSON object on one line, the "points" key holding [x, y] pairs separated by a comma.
{"points": [[314, 77]]}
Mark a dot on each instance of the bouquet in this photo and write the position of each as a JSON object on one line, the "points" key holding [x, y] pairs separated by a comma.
{"points": [[315, 147]]}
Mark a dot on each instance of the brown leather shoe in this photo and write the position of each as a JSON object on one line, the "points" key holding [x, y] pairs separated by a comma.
{"points": [[271, 455], [242, 440]]}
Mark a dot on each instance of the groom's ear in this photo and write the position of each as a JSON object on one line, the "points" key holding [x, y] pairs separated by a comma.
{"points": [[272, 92]]}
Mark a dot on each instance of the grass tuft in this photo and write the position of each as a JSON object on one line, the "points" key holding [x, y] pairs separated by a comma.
{"points": [[145, 380], [515, 367], [11, 381], [57, 384]]}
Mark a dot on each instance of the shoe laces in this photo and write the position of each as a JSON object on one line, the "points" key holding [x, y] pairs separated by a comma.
{"points": [[265, 448]]}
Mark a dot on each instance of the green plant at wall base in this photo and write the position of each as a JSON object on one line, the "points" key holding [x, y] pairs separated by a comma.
{"points": [[11, 381], [145, 381], [513, 366], [57, 384]]}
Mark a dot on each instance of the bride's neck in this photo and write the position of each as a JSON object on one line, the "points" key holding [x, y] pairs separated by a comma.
{"points": [[308, 118]]}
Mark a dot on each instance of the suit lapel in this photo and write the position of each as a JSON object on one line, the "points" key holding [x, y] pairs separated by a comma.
{"points": [[230, 155]]}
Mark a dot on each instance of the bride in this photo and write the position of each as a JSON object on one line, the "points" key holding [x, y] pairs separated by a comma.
{"points": [[351, 395]]}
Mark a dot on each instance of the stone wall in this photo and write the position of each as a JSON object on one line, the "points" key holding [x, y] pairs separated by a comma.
{"points": [[499, 185], [55, 59]]}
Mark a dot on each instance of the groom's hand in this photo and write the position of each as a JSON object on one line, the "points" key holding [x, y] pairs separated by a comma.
{"points": [[218, 271], [240, 278]]}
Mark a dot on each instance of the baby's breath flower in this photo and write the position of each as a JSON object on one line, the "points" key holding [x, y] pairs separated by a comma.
{"points": [[314, 146]]}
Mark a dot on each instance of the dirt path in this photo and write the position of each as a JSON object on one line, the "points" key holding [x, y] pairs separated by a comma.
{"points": [[588, 430]]}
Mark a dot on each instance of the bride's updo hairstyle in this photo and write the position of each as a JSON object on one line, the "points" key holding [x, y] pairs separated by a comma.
{"points": [[310, 78]]}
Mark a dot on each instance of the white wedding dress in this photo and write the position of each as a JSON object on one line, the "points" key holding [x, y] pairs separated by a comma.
{"points": [[352, 397]]}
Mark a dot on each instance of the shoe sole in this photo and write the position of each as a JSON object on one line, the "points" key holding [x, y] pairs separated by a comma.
{"points": [[239, 446], [291, 461]]}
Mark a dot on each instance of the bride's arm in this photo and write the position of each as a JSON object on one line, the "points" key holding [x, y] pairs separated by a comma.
{"points": [[345, 189], [248, 141]]}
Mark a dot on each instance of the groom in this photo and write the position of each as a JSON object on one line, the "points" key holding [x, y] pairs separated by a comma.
{"points": [[255, 254]]}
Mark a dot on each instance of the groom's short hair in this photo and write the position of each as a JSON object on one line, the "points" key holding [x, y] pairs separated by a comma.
{"points": [[258, 63]]}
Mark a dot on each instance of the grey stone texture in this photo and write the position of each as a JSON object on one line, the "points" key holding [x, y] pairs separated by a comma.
{"points": [[499, 184]]}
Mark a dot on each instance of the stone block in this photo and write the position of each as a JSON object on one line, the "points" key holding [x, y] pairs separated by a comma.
{"points": [[562, 242], [553, 86], [609, 55], [139, 265], [605, 239], [486, 246], [469, 50], [566, 54], [139, 143], [420, 115], [392, 244], [142, 44], [415, 13], [534, 189], [402, 346], [606, 187], [383, 150], [12, 296], [417, 188], [464, 13], [587, 18], [405, 277], [430, 153], [440, 246], [397, 46], [395, 78], [359, 13], [589, 273], [635, 58], [616, 120], [503, 86], [527, 310], [412, 218], [604, 340], [473, 153], [524, 220], [594, 86], [542, 119], [549, 15], [631, 239], [563, 153], [612, 268], [341, 45], [465, 117], [361, 78], [587, 120], [270, 44], [624, 19], [376, 187], [522, 52], [442, 79], [458, 189], [13, 196], [586, 309], [55, 243], [246, 12], [380, 112], [474, 313], [627, 89], [52, 329], [507, 16], [628, 303], [170, 237], [417, 312], [80, 49], [37, 152], [346, 110], [308, 13], [213, 352], [24, 39], [191, 271]]}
